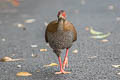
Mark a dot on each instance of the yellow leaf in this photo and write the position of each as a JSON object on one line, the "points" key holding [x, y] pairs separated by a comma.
{"points": [[23, 74], [92, 31], [29, 20], [43, 50], [52, 64], [7, 59]]}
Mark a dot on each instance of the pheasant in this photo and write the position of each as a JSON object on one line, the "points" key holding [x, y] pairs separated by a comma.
{"points": [[60, 34]]}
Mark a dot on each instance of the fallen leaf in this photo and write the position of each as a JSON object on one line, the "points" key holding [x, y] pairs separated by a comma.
{"points": [[20, 25], [18, 66], [23, 74], [7, 59], [92, 57], [75, 51], [92, 31], [101, 36], [34, 46], [3, 39], [29, 20], [45, 23], [52, 64], [104, 40], [116, 66], [38, 70], [43, 50], [34, 55], [118, 73]]}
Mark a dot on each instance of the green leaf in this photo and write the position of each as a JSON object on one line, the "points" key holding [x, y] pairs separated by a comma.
{"points": [[101, 36], [92, 31]]}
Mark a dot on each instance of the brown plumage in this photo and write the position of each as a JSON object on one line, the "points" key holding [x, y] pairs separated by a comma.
{"points": [[52, 27], [60, 34]]}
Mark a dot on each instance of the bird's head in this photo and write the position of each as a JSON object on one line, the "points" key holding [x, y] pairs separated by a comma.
{"points": [[61, 14]]}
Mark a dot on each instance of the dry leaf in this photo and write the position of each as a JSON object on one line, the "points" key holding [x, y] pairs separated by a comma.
{"points": [[34, 46], [92, 31], [7, 59], [104, 40], [18, 66], [92, 57], [34, 55], [3, 39], [75, 51], [20, 25], [29, 20], [116, 66], [52, 64], [45, 23], [38, 70], [118, 73], [23, 74], [43, 50]]}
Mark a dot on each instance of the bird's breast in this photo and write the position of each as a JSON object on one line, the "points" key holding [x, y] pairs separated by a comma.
{"points": [[60, 39]]}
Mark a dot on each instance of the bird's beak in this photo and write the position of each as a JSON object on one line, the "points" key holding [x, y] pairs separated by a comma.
{"points": [[60, 16]]}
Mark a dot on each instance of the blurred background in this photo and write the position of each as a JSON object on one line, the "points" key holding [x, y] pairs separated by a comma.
{"points": [[92, 57]]}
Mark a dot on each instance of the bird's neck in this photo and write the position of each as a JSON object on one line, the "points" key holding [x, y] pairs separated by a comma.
{"points": [[60, 24]]}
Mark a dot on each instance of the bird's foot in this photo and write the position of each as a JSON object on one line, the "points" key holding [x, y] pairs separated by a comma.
{"points": [[62, 72], [65, 63]]}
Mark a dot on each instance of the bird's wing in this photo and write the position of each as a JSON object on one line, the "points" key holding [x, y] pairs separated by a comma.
{"points": [[70, 27], [46, 39], [52, 27]]}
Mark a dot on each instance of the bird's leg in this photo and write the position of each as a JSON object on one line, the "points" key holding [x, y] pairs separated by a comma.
{"points": [[65, 63], [61, 68]]}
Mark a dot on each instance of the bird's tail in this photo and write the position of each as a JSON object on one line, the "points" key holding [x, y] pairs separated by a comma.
{"points": [[57, 52]]}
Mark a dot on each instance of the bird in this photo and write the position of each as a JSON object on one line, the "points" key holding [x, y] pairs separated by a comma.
{"points": [[60, 34]]}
